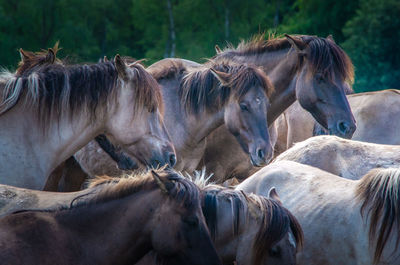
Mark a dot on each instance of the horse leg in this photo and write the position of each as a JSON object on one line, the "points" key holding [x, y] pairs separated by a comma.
{"points": [[72, 176]]}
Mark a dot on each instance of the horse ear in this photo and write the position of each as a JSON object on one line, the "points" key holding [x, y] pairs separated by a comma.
{"points": [[51, 56], [24, 55], [330, 37], [159, 182], [105, 59], [217, 49], [222, 77], [297, 44], [121, 67], [272, 194], [137, 62]]}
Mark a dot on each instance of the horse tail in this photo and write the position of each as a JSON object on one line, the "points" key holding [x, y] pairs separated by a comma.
{"points": [[379, 192]]}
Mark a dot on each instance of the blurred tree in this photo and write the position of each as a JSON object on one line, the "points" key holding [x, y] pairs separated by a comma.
{"points": [[315, 17], [373, 41]]}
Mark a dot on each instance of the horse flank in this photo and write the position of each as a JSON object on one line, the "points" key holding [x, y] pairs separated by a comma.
{"points": [[55, 89], [379, 193], [323, 55], [200, 90]]}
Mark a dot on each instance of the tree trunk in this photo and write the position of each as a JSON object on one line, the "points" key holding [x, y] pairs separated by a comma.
{"points": [[227, 12], [276, 18], [172, 36]]}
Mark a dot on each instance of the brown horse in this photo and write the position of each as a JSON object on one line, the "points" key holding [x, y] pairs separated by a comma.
{"points": [[373, 111], [240, 224], [199, 99], [345, 221], [246, 228], [313, 70], [133, 216], [52, 110]]}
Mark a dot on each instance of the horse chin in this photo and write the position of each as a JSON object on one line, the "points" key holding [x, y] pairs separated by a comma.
{"points": [[258, 163]]}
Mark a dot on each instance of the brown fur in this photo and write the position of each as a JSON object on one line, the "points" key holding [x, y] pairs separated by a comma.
{"points": [[55, 89], [167, 69], [323, 54], [177, 186], [275, 219], [200, 89]]}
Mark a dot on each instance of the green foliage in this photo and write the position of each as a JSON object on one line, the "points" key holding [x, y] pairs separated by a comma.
{"points": [[316, 17], [88, 30], [373, 41]]}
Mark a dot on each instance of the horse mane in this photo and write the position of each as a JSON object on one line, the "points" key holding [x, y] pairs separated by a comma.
{"points": [[167, 69], [55, 89], [200, 90], [323, 55], [275, 220], [32, 60], [379, 192], [179, 188]]}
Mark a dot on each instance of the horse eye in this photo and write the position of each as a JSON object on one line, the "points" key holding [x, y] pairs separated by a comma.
{"points": [[275, 252], [244, 107], [191, 221]]}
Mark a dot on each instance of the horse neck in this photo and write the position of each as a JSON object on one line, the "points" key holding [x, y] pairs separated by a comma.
{"points": [[187, 130], [227, 240], [43, 149], [111, 222], [281, 68]]}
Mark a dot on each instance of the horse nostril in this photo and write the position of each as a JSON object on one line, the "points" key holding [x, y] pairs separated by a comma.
{"points": [[260, 154], [343, 127], [172, 160]]}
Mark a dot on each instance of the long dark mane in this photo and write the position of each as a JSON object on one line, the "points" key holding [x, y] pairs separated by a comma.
{"points": [[56, 89], [379, 193], [323, 55], [275, 220], [200, 90]]}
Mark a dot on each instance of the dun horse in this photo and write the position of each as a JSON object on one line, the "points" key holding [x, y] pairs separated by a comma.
{"points": [[344, 221], [133, 216], [49, 111], [240, 224], [200, 99], [373, 111], [247, 229], [346, 158], [313, 70]]}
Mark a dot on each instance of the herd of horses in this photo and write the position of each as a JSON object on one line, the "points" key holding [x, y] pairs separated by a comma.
{"points": [[91, 155]]}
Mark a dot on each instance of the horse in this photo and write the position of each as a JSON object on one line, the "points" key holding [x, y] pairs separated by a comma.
{"points": [[344, 221], [239, 223], [346, 158], [198, 99], [373, 112], [313, 70], [159, 211], [246, 228], [49, 111]]}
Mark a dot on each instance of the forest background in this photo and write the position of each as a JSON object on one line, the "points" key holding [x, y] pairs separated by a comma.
{"points": [[368, 30]]}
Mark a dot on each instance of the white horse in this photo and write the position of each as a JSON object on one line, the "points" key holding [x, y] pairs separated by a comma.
{"points": [[354, 222], [346, 158], [49, 111]]}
